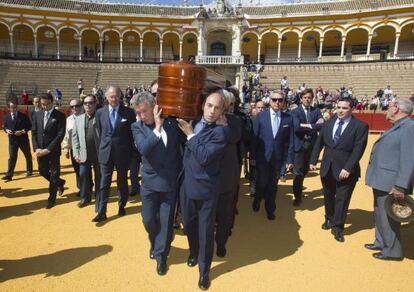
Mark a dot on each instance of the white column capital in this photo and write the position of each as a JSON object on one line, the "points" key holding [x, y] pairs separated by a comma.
{"points": [[35, 35], [11, 33], [141, 40], [397, 34]]}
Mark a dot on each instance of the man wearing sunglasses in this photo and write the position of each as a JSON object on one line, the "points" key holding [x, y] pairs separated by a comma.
{"points": [[75, 108], [272, 144]]}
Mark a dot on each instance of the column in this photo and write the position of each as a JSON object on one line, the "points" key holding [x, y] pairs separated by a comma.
{"points": [[320, 48], [279, 46], [181, 50], [58, 47], [121, 40], [200, 40], [369, 45], [36, 55], [259, 45], [80, 47], [141, 42], [343, 46], [161, 42], [11, 44], [397, 41], [101, 48], [300, 49]]}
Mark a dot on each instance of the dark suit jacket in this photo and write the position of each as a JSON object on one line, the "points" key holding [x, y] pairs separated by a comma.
{"points": [[229, 169], [265, 148], [51, 136], [346, 153], [299, 117], [160, 165], [116, 145], [201, 163], [21, 122]]}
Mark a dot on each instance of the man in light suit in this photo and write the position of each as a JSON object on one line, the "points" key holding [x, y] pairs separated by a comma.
{"points": [[272, 144], [48, 130], [85, 142], [159, 141], [307, 122], [391, 172], [116, 145], [201, 181], [344, 139]]}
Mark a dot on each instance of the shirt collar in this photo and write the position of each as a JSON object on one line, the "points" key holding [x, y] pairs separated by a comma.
{"points": [[113, 108], [49, 112], [272, 112], [346, 120], [305, 108]]}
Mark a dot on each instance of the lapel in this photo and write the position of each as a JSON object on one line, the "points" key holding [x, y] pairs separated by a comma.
{"points": [[49, 120], [390, 130], [16, 116], [268, 121], [329, 127], [118, 118], [282, 119], [302, 113]]}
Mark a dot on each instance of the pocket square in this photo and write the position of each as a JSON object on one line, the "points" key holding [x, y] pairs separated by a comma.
{"points": [[123, 120], [285, 126]]}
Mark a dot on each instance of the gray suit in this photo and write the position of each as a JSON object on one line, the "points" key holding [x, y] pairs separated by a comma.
{"points": [[79, 148], [391, 165]]}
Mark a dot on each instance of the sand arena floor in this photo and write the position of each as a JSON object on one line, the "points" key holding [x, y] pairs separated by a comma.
{"points": [[62, 250]]}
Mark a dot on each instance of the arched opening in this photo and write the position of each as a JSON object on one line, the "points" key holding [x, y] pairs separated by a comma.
{"points": [[5, 49], [269, 47], [23, 41], [151, 47], [219, 43], [311, 42], [406, 44], [47, 43], [332, 43], [382, 43], [189, 46], [110, 46], [131, 46], [90, 45], [249, 46], [69, 44], [290, 46], [170, 47], [356, 44]]}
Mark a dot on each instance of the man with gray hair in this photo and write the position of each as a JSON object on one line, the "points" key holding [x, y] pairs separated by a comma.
{"points": [[115, 147], [390, 173], [159, 141]]}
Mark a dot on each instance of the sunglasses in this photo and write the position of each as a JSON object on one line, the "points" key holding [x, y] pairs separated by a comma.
{"points": [[75, 106], [88, 103], [277, 99]]}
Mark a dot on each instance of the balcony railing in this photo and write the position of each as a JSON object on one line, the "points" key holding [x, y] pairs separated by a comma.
{"points": [[220, 60]]}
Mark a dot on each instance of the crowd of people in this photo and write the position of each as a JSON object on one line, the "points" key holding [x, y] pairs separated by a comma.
{"points": [[193, 168]]}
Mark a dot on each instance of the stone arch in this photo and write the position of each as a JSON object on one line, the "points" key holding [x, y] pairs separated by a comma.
{"points": [[5, 48], [69, 43], [151, 46], [22, 23], [249, 46], [90, 43], [131, 45], [190, 44], [359, 26], [23, 39], [47, 41], [250, 31], [110, 45], [171, 45], [171, 32], [128, 30], [290, 45]]}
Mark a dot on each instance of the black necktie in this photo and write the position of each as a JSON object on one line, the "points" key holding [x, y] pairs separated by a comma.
{"points": [[338, 132]]}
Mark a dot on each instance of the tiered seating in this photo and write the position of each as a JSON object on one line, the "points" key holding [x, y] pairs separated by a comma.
{"points": [[364, 78]]}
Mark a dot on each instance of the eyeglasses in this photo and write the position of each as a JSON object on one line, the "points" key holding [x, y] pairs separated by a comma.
{"points": [[88, 103], [75, 106], [277, 99]]}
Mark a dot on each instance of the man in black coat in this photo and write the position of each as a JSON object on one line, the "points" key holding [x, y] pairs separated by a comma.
{"points": [[17, 125], [344, 139], [48, 130]]}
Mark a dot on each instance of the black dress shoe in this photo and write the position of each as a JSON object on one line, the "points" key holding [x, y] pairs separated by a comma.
{"points": [[297, 202], [221, 251], [61, 188], [338, 234], [191, 261], [161, 268], [381, 256], [83, 203], [151, 254], [256, 205], [271, 217], [50, 205], [371, 246], [326, 225], [7, 178], [121, 211], [204, 283], [29, 173], [78, 194], [101, 217], [132, 194], [252, 195]]}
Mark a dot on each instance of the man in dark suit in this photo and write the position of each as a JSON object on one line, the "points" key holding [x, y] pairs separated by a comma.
{"points": [[37, 107], [116, 145], [48, 130], [17, 125], [391, 173], [344, 139], [201, 181], [160, 142], [229, 177], [272, 144], [307, 121]]}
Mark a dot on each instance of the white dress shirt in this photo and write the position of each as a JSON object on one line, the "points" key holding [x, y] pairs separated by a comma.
{"points": [[275, 123], [346, 122], [162, 135]]}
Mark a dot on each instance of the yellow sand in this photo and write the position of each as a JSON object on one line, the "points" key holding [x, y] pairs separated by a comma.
{"points": [[62, 250]]}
